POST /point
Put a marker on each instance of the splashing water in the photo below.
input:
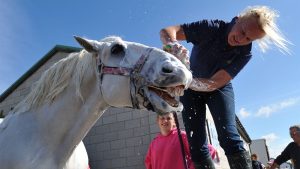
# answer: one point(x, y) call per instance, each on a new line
point(230, 97)
point(191, 133)
point(197, 85)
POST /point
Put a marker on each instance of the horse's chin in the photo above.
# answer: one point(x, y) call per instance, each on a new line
point(161, 104)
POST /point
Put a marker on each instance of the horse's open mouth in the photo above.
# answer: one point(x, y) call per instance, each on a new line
point(169, 94)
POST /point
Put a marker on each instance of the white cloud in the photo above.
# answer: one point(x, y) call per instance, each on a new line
point(275, 144)
point(270, 137)
point(289, 102)
point(243, 113)
point(275, 148)
point(266, 111)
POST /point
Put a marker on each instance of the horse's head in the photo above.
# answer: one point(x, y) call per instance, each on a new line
point(138, 76)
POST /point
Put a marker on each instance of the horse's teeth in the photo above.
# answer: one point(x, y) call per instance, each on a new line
point(172, 91)
point(181, 93)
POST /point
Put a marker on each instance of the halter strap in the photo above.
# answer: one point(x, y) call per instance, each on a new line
point(124, 71)
point(136, 81)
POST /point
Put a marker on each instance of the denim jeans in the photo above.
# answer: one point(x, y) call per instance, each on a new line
point(222, 108)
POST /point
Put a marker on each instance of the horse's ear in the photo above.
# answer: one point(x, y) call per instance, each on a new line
point(88, 45)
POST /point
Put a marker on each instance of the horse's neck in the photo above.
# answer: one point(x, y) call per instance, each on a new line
point(67, 120)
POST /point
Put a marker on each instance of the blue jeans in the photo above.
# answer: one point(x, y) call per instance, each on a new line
point(222, 108)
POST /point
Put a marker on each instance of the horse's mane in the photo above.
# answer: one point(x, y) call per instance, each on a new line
point(54, 80)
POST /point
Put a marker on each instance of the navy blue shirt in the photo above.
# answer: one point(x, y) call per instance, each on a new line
point(211, 51)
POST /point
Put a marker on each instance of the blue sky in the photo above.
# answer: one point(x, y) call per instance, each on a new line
point(267, 90)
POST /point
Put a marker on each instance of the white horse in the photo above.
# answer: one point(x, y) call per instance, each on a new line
point(43, 130)
point(78, 159)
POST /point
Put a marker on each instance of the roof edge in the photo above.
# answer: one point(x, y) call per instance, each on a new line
point(242, 130)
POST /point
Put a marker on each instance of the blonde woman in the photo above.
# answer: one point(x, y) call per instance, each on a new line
point(220, 51)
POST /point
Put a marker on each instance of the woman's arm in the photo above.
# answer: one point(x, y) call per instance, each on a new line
point(171, 34)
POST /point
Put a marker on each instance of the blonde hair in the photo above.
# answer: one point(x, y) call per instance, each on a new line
point(267, 20)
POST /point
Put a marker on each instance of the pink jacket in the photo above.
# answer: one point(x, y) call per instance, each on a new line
point(165, 152)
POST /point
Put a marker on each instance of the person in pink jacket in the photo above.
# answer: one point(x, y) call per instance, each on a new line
point(165, 151)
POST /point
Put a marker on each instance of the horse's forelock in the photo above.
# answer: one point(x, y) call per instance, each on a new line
point(111, 39)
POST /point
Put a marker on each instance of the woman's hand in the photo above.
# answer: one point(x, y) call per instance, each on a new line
point(179, 51)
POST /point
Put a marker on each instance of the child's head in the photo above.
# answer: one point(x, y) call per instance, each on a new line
point(254, 157)
point(165, 123)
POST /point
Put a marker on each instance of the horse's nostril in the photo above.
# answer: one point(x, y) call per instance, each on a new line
point(167, 69)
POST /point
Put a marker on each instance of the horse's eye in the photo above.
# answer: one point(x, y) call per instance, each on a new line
point(117, 49)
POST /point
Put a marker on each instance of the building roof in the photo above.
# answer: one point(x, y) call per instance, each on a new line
point(242, 130)
point(35, 67)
